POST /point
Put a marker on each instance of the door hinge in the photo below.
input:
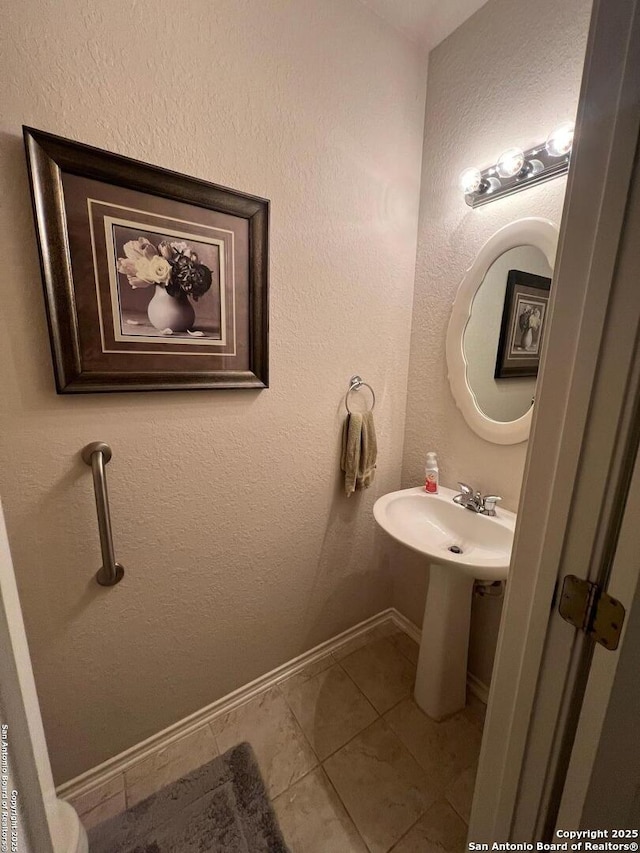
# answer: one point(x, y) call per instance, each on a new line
point(586, 606)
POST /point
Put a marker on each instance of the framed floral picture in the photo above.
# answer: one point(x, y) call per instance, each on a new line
point(152, 280)
point(523, 321)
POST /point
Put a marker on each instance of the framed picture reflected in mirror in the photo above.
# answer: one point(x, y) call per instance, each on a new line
point(524, 317)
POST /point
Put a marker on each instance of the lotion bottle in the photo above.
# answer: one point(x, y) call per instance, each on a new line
point(431, 474)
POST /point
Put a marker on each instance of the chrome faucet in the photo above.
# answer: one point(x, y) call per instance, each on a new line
point(473, 500)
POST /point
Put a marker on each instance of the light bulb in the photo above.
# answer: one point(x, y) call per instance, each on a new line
point(560, 140)
point(470, 181)
point(510, 163)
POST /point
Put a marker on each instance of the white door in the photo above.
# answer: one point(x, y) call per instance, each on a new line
point(602, 789)
point(36, 821)
point(581, 455)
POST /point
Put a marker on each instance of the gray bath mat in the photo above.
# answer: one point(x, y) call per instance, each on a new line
point(221, 807)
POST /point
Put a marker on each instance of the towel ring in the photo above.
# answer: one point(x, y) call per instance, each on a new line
point(355, 384)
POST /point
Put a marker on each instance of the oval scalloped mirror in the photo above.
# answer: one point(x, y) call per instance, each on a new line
point(495, 333)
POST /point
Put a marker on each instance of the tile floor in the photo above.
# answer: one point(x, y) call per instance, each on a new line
point(351, 763)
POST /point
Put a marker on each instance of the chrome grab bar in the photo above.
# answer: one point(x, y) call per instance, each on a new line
point(97, 454)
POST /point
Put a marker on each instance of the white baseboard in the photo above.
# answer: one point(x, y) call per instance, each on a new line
point(108, 770)
point(405, 625)
point(477, 687)
point(113, 767)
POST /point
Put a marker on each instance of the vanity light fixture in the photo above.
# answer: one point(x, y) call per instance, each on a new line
point(516, 169)
point(560, 140)
point(510, 163)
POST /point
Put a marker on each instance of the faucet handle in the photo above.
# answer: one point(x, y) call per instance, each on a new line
point(464, 489)
point(489, 504)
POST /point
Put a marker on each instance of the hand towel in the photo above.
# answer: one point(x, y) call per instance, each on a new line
point(359, 451)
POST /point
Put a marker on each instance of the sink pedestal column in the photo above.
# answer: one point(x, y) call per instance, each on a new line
point(441, 679)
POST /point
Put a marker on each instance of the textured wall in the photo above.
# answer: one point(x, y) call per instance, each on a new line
point(506, 77)
point(240, 549)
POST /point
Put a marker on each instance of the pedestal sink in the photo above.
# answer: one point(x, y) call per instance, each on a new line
point(460, 546)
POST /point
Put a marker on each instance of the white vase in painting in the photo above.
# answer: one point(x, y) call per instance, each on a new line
point(171, 313)
point(527, 339)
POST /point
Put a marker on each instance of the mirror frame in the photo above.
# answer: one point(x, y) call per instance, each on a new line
point(533, 231)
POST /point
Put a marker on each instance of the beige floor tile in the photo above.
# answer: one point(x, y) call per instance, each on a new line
point(103, 811)
point(442, 749)
point(313, 819)
point(382, 786)
point(329, 708)
point(309, 671)
point(384, 674)
point(386, 629)
point(440, 830)
point(357, 643)
point(101, 803)
point(168, 764)
point(87, 802)
point(403, 643)
point(267, 722)
point(460, 792)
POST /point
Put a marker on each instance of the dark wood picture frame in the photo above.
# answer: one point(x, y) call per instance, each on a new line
point(524, 317)
point(63, 176)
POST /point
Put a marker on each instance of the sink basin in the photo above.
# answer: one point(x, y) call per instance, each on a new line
point(433, 525)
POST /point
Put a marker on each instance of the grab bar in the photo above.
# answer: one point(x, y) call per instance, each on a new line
point(97, 454)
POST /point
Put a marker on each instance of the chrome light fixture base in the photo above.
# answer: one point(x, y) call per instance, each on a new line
point(517, 170)
point(539, 166)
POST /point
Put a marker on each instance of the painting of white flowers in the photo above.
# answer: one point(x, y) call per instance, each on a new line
point(168, 287)
point(523, 321)
point(525, 339)
point(152, 280)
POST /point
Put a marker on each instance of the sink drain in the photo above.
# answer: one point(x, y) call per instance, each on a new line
point(455, 549)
